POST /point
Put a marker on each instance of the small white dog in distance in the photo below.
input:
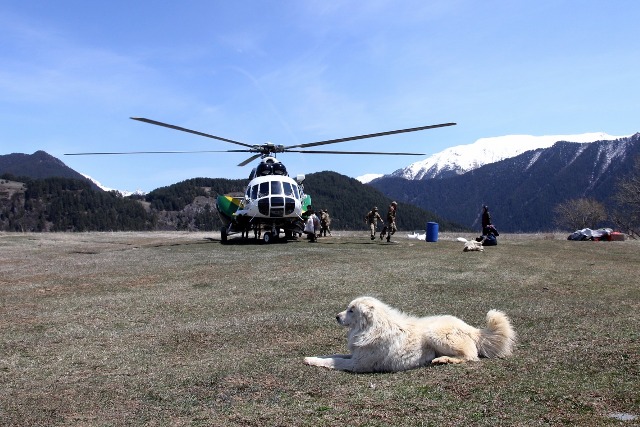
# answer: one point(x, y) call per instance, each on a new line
point(383, 339)
point(471, 245)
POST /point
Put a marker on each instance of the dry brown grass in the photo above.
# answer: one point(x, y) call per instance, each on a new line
point(177, 329)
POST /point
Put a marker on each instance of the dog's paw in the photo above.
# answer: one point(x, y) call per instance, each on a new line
point(444, 360)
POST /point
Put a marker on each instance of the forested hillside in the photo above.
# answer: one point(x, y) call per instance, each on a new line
point(348, 201)
point(62, 204)
point(177, 196)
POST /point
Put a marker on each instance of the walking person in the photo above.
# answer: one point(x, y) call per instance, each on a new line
point(372, 218)
point(390, 228)
point(325, 223)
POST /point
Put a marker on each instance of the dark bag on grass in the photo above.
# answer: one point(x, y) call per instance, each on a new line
point(490, 240)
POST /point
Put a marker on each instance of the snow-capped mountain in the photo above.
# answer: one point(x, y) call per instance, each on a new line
point(369, 177)
point(125, 193)
point(524, 190)
point(463, 158)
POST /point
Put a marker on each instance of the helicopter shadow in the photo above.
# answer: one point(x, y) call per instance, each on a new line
point(251, 241)
point(353, 241)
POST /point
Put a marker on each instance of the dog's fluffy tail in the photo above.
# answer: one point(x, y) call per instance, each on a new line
point(498, 337)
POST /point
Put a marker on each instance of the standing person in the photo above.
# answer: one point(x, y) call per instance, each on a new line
point(371, 218)
point(486, 220)
point(312, 226)
point(325, 223)
point(391, 222)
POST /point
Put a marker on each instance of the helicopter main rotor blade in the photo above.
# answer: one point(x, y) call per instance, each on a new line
point(155, 152)
point(249, 160)
point(372, 135)
point(157, 123)
point(354, 152)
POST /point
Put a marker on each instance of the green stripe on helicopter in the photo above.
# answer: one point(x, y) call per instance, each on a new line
point(228, 205)
point(306, 202)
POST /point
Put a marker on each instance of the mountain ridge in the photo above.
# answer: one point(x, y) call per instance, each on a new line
point(463, 158)
point(39, 165)
point(523, 190)
point(58, 200)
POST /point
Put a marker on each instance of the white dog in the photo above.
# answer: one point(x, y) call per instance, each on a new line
point(471, 245)
point(383, 339)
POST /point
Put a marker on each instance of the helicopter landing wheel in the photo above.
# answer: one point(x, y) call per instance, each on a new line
point(267, 237)
point(223, 235)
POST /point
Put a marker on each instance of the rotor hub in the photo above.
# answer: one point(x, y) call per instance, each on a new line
point(269, 148)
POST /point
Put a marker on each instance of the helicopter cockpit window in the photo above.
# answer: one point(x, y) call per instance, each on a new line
point(295, 190)
point(276, 187)
point(288, 191)
point(264, 189)
point(254, 192)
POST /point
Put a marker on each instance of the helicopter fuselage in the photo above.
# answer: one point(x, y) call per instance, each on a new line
point(272, 202)
point(272, 197)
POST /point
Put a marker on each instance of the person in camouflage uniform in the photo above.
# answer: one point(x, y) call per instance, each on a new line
point(372, 219)
point(325, 223)
point(390, 228)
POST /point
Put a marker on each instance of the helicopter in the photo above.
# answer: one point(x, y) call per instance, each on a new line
point(273, 202)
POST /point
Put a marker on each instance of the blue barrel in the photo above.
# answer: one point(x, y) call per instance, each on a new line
point(432, 232)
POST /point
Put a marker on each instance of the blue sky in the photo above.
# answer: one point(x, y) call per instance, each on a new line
point(291, 72)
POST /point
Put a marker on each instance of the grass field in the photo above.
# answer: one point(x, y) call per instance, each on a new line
point(177, 329)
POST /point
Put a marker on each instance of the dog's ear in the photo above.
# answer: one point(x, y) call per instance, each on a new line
point(366, 309)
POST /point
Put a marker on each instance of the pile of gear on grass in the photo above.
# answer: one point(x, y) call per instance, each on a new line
point(601, 234)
